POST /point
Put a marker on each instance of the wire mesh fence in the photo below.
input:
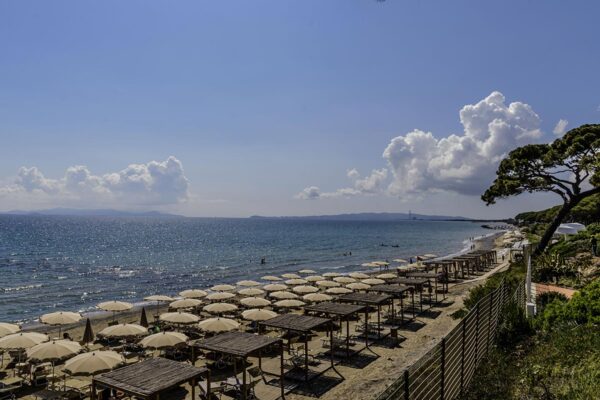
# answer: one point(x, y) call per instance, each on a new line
point(447, 369)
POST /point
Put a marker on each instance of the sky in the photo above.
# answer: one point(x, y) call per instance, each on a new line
point(237, 108)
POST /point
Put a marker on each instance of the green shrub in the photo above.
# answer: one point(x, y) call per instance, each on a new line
point(583, 308)
point(546, 298)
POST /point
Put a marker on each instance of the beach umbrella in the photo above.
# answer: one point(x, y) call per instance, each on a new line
point(373, 281)
point(216, 325)
point(123, 330)
point(296, 281)
point(358, 286)
point(400, 260)
point(317, 297)
point(179, 318)
point(331, 274)
point(344, 279)
point(185, 303)
point(303, 289)
point(388, 275)
point(271, 278)
point(307, 271)
point(158, 298)
point(255, 302)
point(275, 287)
point(54, 350)
point(193, 294)
point(358, 275)
point(327, 284)
point(289, 303)
point(144, 318)
point(222, 288)
point(251, 292)
point(60, 318)
point(22, 340)
point(94, 362)
point(290, 276)
point(88, 333)
point(220, 308)
point(8, 329)
point(338, 290)
point(257, 314)
point(220, 296)
point(248, 283)
point(281, 295)
point(115, 306)
point(314, 278)
point(163, 340)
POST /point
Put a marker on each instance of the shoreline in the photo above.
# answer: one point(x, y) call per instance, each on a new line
point(100, 318)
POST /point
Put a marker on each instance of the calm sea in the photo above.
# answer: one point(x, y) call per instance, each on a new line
point(50, 263)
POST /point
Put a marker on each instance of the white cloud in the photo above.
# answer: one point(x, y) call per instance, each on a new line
point(153, 183)
point(561, 127)
point(464, 163)
point(369, 185)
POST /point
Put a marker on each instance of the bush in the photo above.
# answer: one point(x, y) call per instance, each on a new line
point(514, 326)
point(546, 298)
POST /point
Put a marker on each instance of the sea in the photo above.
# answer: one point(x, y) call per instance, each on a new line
point(63, 263)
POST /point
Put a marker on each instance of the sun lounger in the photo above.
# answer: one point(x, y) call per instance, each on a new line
point(9, 386)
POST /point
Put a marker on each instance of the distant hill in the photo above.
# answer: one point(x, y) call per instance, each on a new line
point(89, 212)
point(373, 217)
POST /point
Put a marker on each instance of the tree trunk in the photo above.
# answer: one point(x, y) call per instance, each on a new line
point(558, 219)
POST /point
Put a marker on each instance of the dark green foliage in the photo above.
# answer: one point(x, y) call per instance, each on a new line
point(514, 326)
point(542, 300)
point(586, 212)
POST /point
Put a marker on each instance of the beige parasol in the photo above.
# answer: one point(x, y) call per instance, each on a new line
point(185, 303)
point(179, 318)
point(331, 274)
point(338, 290)
point(219, 296)
point(22, 340)
point(344, 279)
point(327, 284)
point(8, 329)
point(248, 283)
point(163, 340)
point(373, 281)
point(54, 350)
point(251, 292)
point(123, 330)
point(60, 318)
point(158, 298)
point(255, 302)
point(303, 289)
point(115, 306)
point(275, 287)
point(358, 286)
point(193, 294)
point(315, 278)
point(290, 276)
point(222, 288)
point(358, 275)
point(93, 362)
point(296, 281)
point(216, 325)
point(220, 308)
point(388, 275)
point(307, 271)
point(281, 295)
point(289, 303)
point(257, 314)
point(271, 278)
point(317, 297)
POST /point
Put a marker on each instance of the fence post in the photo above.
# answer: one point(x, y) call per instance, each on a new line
point(462, 357)
point(443, 369)
point(406, 390)
point(476, 333)
point(489, 343)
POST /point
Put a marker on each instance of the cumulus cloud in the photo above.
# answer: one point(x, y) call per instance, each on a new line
point(368, 185)
point(464, 163)
point(153, 183)
point(561, 127)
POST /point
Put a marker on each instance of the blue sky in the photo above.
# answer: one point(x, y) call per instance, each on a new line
point(258, 100)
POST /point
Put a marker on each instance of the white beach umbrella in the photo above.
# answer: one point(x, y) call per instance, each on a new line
point(331, 274)
point(193, 294)
point(8, 329)
point(163, 340)
point(257, 314)
point(358, 275)
point(255, 302)
point(307, 271)
point(338, 290)
point(220, 308)
point(386, 276)
point(216, 325)
point(303, 289)
point(373, 281)
point(94, 362)
point(344, 279)
point(22, 340)
point(247, 283)
point(179, 318)
point(251, 292)
point(60, 318)
point(296, 281)
point(271, 278)
point(185, 303)
point(290, 276)
point(317, 297)
point(358, 286)
point(328, 284)
point(281, 295)
point(123, 330)
point(289, 303)
point(222, 288)
point(54, 350)
point(275, 287)
point(315, 278)
point(115, 306)
point(220, 296)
